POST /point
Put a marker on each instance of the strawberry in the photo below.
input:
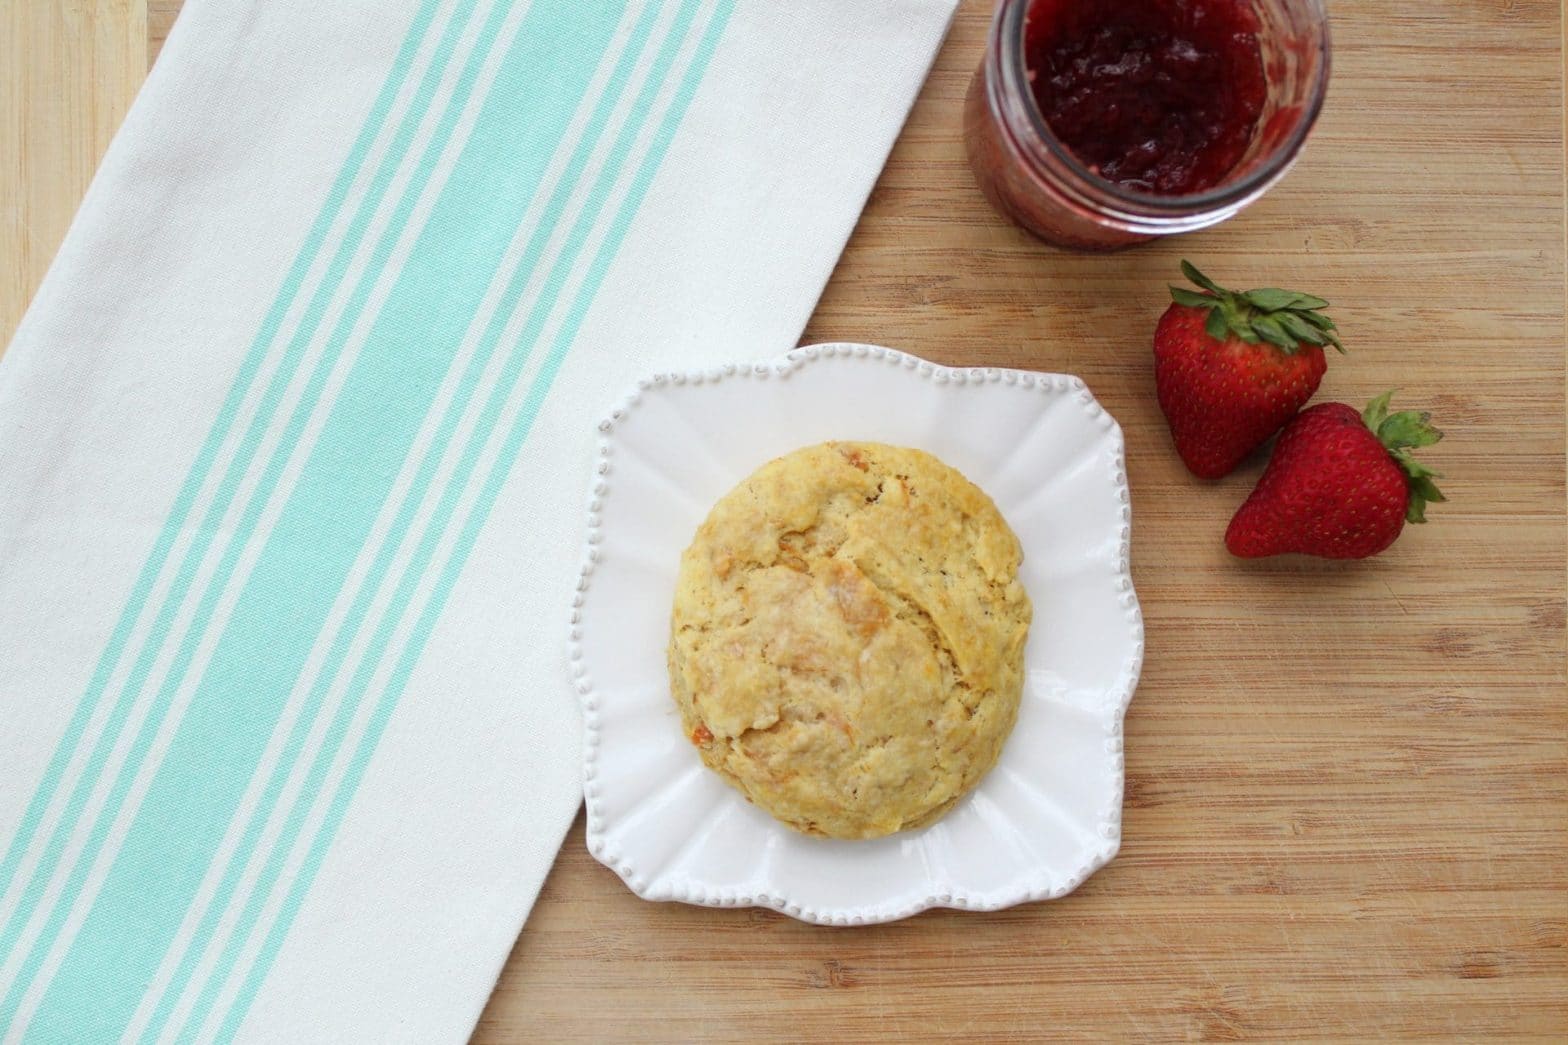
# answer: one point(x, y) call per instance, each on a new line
point(1231, 367)
point(1341, 485)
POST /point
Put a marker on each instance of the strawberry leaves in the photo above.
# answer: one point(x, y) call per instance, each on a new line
point(1270, 299)
point(1232, 369)
point(1402, 432)
point(1286, 319)
point(1191, 298)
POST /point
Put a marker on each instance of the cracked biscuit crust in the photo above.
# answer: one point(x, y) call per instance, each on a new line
point(847, 641)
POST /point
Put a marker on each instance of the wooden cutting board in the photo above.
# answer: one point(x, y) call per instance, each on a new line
point(1347, 784)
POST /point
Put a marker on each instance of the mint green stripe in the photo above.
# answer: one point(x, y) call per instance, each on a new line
point(211, 525)
point(179, 521)
point(485, 350)
point(206, 608)
point(376, 649)
point(510, 373)
point(326, 521)
point(494, 481)
point(202, 466)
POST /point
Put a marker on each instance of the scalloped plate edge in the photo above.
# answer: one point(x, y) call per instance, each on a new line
point(901, 907)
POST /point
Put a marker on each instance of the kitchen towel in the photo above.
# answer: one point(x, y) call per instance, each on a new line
point(295, 445)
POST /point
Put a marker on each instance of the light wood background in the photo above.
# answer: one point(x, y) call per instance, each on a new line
point(1347, 793)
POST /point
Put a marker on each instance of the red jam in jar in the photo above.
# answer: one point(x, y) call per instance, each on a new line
point(1097, 124)
point(1158, 96)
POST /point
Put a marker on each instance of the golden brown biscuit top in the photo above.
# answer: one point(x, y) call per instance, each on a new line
point(847, 638)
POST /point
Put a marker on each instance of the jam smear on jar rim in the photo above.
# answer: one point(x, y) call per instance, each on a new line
point(1157, 96)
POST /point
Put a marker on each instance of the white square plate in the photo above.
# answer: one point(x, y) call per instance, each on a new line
point(1038, 824)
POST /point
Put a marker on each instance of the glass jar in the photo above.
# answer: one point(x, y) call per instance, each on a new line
point(1033, 179)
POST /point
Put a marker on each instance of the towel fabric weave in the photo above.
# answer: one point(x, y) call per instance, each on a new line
point(294, 452)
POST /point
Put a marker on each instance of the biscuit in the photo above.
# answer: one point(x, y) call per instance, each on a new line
point(847, 638)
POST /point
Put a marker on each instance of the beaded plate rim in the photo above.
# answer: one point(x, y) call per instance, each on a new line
point(692, 891)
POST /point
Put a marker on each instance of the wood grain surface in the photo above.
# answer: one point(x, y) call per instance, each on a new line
point(1347, 784)
point(68, 72)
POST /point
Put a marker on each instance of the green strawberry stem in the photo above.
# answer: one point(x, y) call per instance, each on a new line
point(1402, 432)
point(1286, 319)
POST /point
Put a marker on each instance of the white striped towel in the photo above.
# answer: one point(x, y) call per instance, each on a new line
point(294, 445)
